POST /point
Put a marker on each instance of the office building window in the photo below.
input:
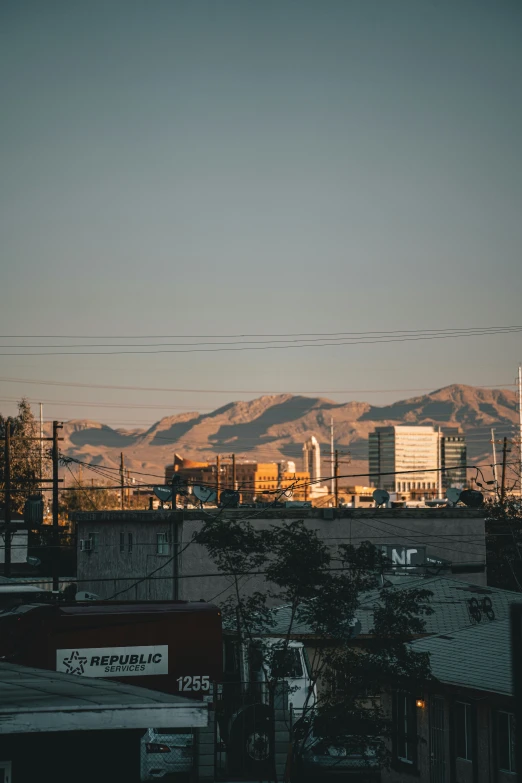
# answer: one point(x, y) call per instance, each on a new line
point(506, 742)
point(463, 731)
point(122, 542)
point(406, 728)
point(129, 541)
point(162, 546)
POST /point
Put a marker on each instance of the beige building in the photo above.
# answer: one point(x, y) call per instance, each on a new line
point(252, 479)
point(402, 459)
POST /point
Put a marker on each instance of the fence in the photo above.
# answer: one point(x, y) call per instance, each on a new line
point(244, 731)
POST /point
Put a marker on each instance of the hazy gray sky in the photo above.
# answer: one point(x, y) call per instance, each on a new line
point(236, 166)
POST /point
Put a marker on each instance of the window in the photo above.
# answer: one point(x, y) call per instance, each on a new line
point(162, 546)
point(122, 542)
point(129, 539)
point(406, 725)
point(287, 663)
point(506, 742)
point(463, 731)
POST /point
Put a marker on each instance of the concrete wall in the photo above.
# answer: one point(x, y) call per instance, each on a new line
point(452, 534)
point(18, 547)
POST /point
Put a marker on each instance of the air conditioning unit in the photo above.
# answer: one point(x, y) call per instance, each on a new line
point(85, 545)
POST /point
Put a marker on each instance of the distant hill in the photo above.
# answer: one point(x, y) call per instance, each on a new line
point(274, 427)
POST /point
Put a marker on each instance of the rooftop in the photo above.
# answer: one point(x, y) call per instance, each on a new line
point(477, 657)
point(36, 700)
point(456, 604)
point(270, 512)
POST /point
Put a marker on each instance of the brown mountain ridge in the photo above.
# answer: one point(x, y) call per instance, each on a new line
point(274, 427)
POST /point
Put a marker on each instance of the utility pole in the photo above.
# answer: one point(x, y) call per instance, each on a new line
point(336, 478)
point(7, 503)
point(520, 423)
point(332, 454)
point(439, 460)
point(503, 486)
point(217, 477)
point(122, 481)
point(56, 528)
point(495, 472)
point(41, 442)
point(234, 475)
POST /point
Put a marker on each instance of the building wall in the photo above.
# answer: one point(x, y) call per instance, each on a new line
point(451, 534)
point(18, 547)
point(454, 455)
point(405, 448)
point(483, 769)
point(312, 458)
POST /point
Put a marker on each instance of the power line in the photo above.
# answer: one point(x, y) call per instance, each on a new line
point(72, 384)
point(364, 341)
point(430, 333)
point(225, 336)
point(207, 575)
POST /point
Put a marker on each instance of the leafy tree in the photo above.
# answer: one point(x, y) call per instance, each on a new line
point(27, 464)
point(83, 497)
point(314, 590)
point(504, 543)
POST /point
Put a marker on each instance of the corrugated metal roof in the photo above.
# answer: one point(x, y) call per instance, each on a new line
point(477, 657)
point(37, 700)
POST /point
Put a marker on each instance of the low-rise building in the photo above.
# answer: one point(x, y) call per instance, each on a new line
point(251, 479)
point(151, 555)
point(462, 727)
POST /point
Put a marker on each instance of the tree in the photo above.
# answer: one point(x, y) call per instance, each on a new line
point(27, 463)
point(83, 497)
point(504, 543)
point(321, 590)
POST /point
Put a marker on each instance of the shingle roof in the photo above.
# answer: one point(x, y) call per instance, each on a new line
point(450, 602)
point(476, 657)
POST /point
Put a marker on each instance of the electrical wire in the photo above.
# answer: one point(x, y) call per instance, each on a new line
point(465, 331)
point(230, 336)
point(365, 341)
point(223, 391)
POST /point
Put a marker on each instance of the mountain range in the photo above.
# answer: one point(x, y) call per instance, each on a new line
point(274, 427)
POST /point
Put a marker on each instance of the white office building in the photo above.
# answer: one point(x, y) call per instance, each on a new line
point(404, 458)
point(312, 458)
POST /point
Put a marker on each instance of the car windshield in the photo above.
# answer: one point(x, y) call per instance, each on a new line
point(287, 663)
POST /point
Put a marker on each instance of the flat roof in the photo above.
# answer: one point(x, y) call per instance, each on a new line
point(35, 700)
point(270, 512)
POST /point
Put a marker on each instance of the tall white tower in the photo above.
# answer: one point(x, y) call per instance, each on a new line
point(312, 458)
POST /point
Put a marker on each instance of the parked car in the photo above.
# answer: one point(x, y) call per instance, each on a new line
point(320, 758)
point(166, 754)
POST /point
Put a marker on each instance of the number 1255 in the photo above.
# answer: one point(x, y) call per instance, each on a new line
point(195, 683)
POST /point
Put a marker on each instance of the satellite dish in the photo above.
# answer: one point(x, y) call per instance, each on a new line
point(204, 494)
point(453, 494)
point(229, 498)
point(472, 498)
point(87, 597)
point(381, 496)
point(163, 493)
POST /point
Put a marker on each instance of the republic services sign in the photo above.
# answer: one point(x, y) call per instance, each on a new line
point(114, 661)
